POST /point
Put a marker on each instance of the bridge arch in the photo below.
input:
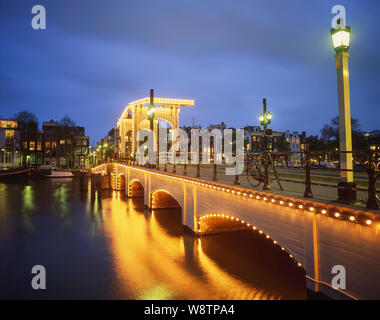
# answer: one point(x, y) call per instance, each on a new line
point(210, 223)
point(163, 199)
point(135, 189)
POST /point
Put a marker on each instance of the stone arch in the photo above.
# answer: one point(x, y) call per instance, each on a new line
point(135, 189)
point(162, 199)
point(210, 223)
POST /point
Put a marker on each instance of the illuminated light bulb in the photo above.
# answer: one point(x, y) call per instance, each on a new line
point(299, 264)
point(218, 215)
point(227, 216)
point(260, 232)
point(352, 218)
point(228, 190)
point(311, 209)
point(242, 221)
point(275, 242)
point(324, 211)
point(244, 194)
point(281, 202)
point(265, 199)
point(249, 225)
point(368, 222)
point(300, 206)
point(290, 256)
point(257, 197)
point(254, 228)
point(273, 200)
point(267, 237)
point(290, 204)
point(282, 248)
point(237, 219)
point(337, 214)
point(251, 196)
point(222, 189)
point(223, 215)
point(233, 191)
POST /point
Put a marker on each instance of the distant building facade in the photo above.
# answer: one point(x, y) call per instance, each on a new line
point(9, 143)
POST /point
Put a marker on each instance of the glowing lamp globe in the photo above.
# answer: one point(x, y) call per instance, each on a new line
point(341, 39)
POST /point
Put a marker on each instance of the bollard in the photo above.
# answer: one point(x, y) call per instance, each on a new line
point(185, 169)
point(237, 179)
point(372, 201)
point(308, 193)
point(214, 177)
point(198, 170)
point(83, 183)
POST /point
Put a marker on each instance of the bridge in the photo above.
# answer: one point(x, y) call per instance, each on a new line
point(317, 235)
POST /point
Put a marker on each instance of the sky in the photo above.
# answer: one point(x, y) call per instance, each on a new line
point(96, 56)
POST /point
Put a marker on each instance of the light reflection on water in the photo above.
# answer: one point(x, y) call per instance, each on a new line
point(105, 246)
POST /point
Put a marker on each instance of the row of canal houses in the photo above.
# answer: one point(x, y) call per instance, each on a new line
point(56, 146)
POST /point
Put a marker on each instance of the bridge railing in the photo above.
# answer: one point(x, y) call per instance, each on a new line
point(307, 173)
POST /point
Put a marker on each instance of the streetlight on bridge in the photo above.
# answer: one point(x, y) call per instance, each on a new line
point(265, 119)
point(341, 37)
point(151, 113)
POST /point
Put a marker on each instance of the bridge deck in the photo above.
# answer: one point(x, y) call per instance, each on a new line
point(291, 189)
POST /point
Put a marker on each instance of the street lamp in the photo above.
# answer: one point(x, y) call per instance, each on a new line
point(265, 119)
point(341, 37)
point(151, 113)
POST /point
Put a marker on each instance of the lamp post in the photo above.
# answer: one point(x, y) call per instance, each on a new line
point(265, 119)
point(151, 114)
point(341, 43)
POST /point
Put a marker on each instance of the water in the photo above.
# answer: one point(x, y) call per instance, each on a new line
point(108, 247)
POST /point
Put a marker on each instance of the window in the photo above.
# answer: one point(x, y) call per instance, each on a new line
point(9, 133)
point(47, 144)
point(62, 142)
point(39, 145)
point(31, 145)
point(54, 144)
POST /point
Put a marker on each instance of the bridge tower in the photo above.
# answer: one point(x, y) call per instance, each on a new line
point(135, 118)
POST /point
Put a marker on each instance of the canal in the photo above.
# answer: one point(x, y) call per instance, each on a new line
point(104, 246)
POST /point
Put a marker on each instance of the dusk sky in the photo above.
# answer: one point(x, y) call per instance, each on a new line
point(96, 56)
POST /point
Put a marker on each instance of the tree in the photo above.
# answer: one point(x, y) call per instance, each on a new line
point(282, 145)
point(315, 144)
point(111, 133)
point(66, 132)
point(66, 121)
point(27, 124)
point(25, 117)
point(330, 135)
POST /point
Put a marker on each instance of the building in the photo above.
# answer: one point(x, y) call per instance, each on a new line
point(9, 143)
point(254, 139)
point(31, 144)
point(65, 146)
point(297, 140)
